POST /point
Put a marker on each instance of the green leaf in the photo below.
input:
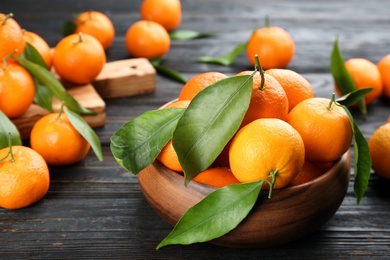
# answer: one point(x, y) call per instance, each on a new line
point(209, 122)
point(43, 97)
point(7, 130)
point(137, 143)
point(33, 55)
point(215, 215)
point(86, 131)
point(353, 97)
point(68, 28)
point(362, 159)
point(226, 59)
point(170, 73)
point(51, 82)
point(185, 35)
point(341, 76)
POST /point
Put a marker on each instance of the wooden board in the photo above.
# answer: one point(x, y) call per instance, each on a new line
point(86, 95)
point(126, 78)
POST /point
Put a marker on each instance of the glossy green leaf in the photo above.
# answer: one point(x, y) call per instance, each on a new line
point(341, 76)
point(8, 130)
point(353, 97)
point(170, 73)
point(362, 159)
point(215, 215)
point(86, 131)
point(51, 82)
point(33, 55)
point(43, 97)
point(137, 143)
point(209, 122)
point(185, 35)
point(226, 59)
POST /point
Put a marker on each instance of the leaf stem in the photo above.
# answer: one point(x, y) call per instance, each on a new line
point(61, 111)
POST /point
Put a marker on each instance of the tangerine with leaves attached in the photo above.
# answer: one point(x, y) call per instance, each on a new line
point(56, 139)
point(17, 89)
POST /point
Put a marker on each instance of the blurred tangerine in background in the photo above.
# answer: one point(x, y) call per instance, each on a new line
point(11, 36)
point(165, 12)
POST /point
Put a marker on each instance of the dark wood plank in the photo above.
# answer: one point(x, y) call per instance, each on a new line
point(97, 210)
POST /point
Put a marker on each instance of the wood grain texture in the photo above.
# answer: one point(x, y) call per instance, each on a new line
point(96, 210)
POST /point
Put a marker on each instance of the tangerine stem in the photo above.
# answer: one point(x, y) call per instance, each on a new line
point(332, 100)
point(61, 110)
point(261, 71)
point(7, 16)
point(10, 150)
point(272, 175)
point(266, 22)
point(81, 37)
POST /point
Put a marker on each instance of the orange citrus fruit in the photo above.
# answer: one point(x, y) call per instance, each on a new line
point(11, 36)
point(269, 102)
point(147, 39)
point(199, 82)
point(273, 45)
point(17, 90)
point(55, 138)
point(98, 25)
point(216, 177)
point(40, 45)
point(309, 172)
point(267, 146)
point(297, 87)
point(168, 155)
point(79, 58)
point(384, 70)
point(165, 12)
point(379, 145)
point(24, 177)
point(364, 74)
point(325, 128)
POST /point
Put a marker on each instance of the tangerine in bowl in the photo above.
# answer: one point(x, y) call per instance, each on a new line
point(290, 214)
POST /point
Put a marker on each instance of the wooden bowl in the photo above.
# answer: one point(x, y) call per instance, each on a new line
point(290, 214)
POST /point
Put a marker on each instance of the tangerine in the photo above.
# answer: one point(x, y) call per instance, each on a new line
point(384, 70)
point(364, 74)
point(379, 145)
point(147, 39)
point(273, 45)
point(269, 101)
point(24, 177)
point(216, 177)
point(199, 82)
point(79, 58)
point(17, 90)
point(165, 12)
point(264, 147)
point(55, 138)
point(11, 36)
point(297, 87)
point(40, 45)
point(309, 172)
point(97, 25)
point(324, 127)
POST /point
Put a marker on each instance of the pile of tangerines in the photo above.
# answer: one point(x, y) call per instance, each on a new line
point(24, 171)
point(273, 135)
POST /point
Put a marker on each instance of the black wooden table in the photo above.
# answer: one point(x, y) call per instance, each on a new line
point(97, 210)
